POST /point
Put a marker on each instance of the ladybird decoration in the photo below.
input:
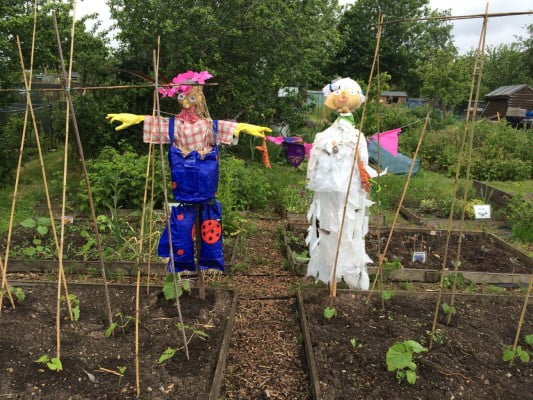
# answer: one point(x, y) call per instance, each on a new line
point(211, 231)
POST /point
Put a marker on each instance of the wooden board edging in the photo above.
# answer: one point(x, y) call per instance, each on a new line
point(224, 350)
point(308, 347)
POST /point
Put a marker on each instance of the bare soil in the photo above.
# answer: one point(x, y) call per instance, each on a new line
point(468, 365)
point(479, 252)
point(29, 331)
point(265, 359)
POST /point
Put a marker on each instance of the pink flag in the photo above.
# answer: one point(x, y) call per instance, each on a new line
point(388, 140)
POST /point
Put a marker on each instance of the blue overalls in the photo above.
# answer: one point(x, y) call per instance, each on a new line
point(194, 186)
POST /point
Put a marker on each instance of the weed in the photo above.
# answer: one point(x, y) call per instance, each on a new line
point(437, 336)
point(493, 289)
point(460, 281)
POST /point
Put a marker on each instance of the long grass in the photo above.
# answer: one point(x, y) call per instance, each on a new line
point(31, 199)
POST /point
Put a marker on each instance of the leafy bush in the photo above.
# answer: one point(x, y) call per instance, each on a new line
point(10, 134)
point(250, 188)
point(521, 218)
point(117, 181)
point(500, 152)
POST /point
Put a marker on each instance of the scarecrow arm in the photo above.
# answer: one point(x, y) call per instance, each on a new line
point(253, 130)
point(126, 120)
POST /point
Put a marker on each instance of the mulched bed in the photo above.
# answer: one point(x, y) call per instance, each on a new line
point(28, 332)
point(480, 252)
point(467, 366)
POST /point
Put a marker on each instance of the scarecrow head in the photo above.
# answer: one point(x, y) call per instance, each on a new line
point(190, 97)
point(343, 95)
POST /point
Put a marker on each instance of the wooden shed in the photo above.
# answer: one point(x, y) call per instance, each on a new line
point(509, 101)
point(393, 97)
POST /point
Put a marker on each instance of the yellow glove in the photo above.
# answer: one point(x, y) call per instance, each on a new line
point(127, 120)
point(254, 130)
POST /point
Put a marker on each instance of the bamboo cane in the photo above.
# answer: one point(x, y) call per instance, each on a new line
point(455, 188)
point(397, 213)
point(83, 164)
point(468, 166)
point(5, 284)
point(167, 208)
point(522, 316)
point(356, 158)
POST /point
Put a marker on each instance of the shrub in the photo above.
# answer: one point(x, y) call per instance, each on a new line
point(521, 218)
point(10, 134)
point(117, 181)
point(500, 152)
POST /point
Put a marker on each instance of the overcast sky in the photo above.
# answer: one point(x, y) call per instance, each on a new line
point(466, 32)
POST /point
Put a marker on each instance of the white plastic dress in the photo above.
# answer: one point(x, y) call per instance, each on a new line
point(328, 174)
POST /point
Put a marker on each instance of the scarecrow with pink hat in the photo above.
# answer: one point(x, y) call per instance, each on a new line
point(194, 163)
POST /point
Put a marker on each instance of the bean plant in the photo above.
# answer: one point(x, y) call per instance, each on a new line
point(399, 358)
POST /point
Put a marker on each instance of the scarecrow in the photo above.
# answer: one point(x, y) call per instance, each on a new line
point(193, 157)
point(328, 176)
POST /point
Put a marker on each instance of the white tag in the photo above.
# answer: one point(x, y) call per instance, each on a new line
point(419, 256)
point(482, 211)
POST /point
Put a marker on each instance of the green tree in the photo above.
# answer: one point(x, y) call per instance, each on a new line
point(505, 64)
point(91, 55)
point(252, 47)
point(446, 78)
point(91, 60)
point(402, 44)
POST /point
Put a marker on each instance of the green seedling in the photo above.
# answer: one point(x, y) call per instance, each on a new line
point(460, 281)
point(124, 320)
point(448, 309)
point(399, 358)
point(168, 287)
point(40, 225)
point(121, 370)
point(437, 336)
point(17, 292)
point(510, 354)
point(529, 340)
point(329, 312)
point(74, 303)
point(388, 294)
point(354, 344)
point(389, 266)
point(171, 351)
point(53, 364)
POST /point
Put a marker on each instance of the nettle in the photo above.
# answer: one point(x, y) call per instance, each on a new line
point(399, 358)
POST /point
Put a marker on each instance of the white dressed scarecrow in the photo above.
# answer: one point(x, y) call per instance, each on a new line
point(328, 176)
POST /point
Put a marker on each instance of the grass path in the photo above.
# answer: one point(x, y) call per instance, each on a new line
point(31, 192)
